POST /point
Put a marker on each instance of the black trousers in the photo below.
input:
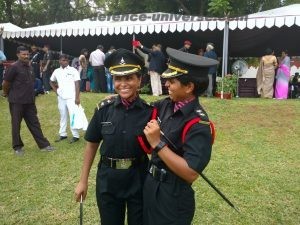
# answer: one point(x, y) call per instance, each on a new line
point(46, 80)
point(99, 78)
point(118, 190)
point(112, 209)
point(168, 202)
point(28, 112)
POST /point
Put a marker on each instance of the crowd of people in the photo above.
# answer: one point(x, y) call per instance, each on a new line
point(273, 75)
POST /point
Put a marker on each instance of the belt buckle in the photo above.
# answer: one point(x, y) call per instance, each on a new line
point(123, 164)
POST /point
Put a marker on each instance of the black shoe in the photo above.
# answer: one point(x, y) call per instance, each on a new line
point(61, 138)
point(19, 151)
point(48, 148)
point(74, 139)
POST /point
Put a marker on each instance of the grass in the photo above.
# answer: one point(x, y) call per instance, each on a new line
point(255, 162)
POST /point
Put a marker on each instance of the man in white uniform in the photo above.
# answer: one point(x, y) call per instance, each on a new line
point(65, 81)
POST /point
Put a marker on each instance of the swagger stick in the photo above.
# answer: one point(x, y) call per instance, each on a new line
point(201, 174)
point(81, 211)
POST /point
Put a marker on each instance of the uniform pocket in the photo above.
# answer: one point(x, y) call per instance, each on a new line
point(108, 129)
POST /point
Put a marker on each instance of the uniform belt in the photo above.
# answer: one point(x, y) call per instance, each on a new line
point(121, 163)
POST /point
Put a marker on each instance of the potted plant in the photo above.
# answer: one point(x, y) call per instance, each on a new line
point(229, 84)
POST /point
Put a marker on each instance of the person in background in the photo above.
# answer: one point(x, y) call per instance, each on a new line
point(2, 60)
point(200, 52)
point(265, 74)
point(47, 68)
point(109, 80)
point(116, 124)
point(65, 81)
point(18, 86)
point(283, 76)
point(186, 46)
point(212, 72)
point(157, 65)
point(175, 163)
point(96, 59)
point(35, 59)
point(83, 67)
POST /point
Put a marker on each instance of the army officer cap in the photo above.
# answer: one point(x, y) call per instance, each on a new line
point(188, 67)
point(123, 62)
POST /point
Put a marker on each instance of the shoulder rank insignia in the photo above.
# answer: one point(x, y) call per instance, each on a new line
point(105, 102)
point(201, 113)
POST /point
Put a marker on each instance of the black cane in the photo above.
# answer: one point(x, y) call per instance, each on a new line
point(81, 211)
point(203, 176)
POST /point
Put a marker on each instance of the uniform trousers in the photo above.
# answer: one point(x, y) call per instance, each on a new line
point(46, 80)
point(99, 79)
point(29, 113)
point(211, 84)
point(66, 107)
point(155, 83)
point(169, 202)
point(119, 190)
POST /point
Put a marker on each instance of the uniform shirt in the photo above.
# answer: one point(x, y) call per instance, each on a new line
point(48, 56)
point(212, 55)
point(157, 60)
point(97, 58)
point(2, 56)
point(196, 149)
point(22, 79)
point(65, 78)
point(119, 127)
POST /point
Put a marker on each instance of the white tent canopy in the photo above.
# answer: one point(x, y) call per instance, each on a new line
point(10, 27)
point(283, 16)
point(152, 24)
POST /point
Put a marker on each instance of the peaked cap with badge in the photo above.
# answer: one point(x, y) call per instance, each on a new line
point(186, 64)
point(123, 62)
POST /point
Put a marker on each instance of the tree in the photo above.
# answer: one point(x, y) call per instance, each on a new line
point(27, 13)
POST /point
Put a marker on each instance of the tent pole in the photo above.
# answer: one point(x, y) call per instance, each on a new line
point(225, 53)
point(133, 39)
point(1, 39)
point(61, 45)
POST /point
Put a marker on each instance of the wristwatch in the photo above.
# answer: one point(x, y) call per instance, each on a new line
point(159, 146)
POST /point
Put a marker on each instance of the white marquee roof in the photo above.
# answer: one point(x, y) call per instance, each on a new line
point(284, 16)
point(95, 27)
point(10, 27)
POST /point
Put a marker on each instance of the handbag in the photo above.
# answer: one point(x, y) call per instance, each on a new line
point(78, 118)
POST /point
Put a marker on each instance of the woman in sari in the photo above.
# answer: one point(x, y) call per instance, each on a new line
point(282, 77)
point(266, 74)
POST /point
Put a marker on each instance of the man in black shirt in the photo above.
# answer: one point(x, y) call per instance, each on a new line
point(18, 86)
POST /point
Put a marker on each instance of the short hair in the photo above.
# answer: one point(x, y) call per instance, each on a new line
point(63, 56)
point(268, 51)
point(47, 46)
point(285, 51)
point(21, 48)
point(100, 47)
point(83, 51)
point(200, 83)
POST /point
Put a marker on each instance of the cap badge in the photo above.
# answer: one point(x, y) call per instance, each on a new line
point(122, 62)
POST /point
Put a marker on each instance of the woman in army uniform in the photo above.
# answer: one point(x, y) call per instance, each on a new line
point(180, 152)
point(117, 122)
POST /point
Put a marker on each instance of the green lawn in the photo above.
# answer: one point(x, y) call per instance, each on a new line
point(255, 162)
